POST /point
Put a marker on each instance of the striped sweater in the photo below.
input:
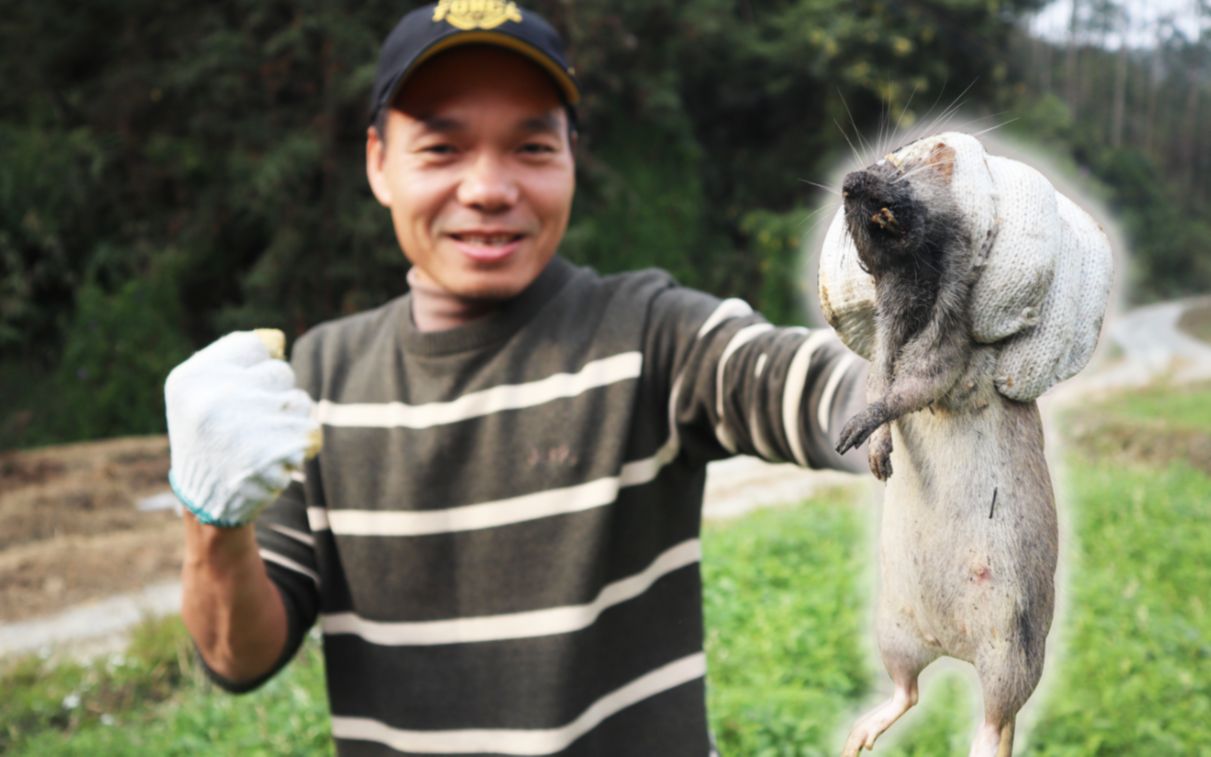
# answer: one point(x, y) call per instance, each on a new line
point(499, 540)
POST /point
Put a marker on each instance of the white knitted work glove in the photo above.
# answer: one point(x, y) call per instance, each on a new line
point(1046, 269)
point(237, 427)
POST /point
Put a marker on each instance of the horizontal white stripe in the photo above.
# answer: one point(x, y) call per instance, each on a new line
point(597, 373)
point(544, 504)
point(317, 518)
point(519, 625)
point(825, 410)
point(295, 534)
point(524, 741)
point(286, 562)
point(792, 391)
point(729, 308)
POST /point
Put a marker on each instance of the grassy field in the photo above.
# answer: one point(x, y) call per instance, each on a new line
point(789, 633)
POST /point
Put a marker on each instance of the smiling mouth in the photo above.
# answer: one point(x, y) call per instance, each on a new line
point(488, 240)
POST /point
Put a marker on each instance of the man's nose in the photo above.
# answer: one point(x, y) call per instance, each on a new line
point(489, 186)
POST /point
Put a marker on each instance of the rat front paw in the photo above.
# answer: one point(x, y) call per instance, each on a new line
point(879, 453)
point(860, 427)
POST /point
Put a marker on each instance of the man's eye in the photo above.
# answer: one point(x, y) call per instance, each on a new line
point(537, 148)
point(441, 148)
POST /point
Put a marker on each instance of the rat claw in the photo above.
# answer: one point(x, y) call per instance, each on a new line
point(859, 428)
point(880, 465)
point(851, 436)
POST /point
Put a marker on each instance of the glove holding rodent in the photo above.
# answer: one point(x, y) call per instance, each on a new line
point(1045, 275)
point(237, 427)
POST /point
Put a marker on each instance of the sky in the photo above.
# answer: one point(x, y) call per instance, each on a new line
point(1052, 21)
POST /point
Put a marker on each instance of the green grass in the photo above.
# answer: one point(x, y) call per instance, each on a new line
point(42, 695)
point(1135, 677)
point(1163, 407)
point(789, 637)
point(785, 612)
point(155, 700)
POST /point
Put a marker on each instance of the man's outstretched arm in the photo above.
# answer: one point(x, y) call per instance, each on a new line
point(743, 386)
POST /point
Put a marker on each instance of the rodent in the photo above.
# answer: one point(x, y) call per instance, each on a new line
point(968, 541)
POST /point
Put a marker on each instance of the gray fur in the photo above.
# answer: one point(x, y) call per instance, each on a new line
point(961, 576)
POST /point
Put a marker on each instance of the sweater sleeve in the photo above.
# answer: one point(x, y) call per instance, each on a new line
point(742, 386)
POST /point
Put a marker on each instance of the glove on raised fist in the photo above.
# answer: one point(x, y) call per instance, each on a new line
point(237, 427)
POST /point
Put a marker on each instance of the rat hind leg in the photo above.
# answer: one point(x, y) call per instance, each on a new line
point(904, 655)
point(1008, 676)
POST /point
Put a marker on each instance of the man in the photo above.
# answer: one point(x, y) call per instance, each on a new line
point(499, 539)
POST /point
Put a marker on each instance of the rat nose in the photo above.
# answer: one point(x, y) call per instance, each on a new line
point(857, 186)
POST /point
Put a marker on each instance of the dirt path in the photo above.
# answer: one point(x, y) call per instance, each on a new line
point(1154, 346)
point(71, 531)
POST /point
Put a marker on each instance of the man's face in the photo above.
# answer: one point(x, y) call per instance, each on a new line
point(477, 171)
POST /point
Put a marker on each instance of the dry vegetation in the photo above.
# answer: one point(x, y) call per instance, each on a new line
point(71, 529)
point(1196, 321)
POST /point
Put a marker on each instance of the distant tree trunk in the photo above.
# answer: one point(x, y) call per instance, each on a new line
point(1072, 59)
point(1192, 129)
point(1190, 152)
point(1120, 95)
point(1154, 85)
point(1044, 64)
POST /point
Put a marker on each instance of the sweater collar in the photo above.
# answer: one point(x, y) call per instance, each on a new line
point(494, 326)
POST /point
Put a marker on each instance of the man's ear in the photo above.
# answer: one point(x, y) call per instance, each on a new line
point(376, 156)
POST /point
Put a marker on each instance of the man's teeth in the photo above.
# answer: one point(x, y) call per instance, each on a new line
point(494, 240)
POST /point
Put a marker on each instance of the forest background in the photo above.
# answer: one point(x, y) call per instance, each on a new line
point(172, 171)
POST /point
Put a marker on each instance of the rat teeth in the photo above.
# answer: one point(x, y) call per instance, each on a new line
point(884, 219)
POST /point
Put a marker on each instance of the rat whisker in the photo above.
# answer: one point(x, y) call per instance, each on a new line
point(857, 132)
point(911, 173)
point(854, 150)
point(809, 222)
point(824, 187)
point(995, 127)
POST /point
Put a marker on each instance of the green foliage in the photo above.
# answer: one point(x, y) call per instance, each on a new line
point(119, 344)
point(777, 241)
point(50, 200)
point(783, 603)
point(1133, 120)
point(1135, 676)
point(63, 697)
point(155, 700)
point(1166, 408)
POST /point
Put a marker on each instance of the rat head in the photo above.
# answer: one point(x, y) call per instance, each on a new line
point(900, 210)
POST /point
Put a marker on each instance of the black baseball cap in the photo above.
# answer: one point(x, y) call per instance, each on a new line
point(438, 27)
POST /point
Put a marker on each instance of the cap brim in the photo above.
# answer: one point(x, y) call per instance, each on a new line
point(567, 86)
